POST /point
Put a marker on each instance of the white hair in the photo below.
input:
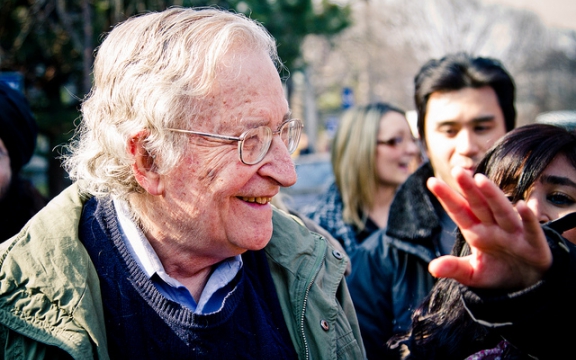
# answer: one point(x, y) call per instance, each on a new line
point(148, 73)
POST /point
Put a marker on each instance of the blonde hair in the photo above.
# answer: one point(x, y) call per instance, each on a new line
point(354, 159)
point(148, 73)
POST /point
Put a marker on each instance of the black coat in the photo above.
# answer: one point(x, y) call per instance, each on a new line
point(538, 320)
point(390, 275)
point(21, 202)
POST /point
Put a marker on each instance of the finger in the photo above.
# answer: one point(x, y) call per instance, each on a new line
point(454, 204)
point(529, 219)
point(502, 210)
point(535, 237)
point(475, 198)
point(452, 267)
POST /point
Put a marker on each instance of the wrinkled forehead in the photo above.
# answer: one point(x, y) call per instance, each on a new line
point(247, 92)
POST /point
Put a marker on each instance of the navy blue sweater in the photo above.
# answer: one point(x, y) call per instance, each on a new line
point(143, 324)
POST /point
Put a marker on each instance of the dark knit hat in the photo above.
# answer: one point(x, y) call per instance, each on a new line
point(18, 128)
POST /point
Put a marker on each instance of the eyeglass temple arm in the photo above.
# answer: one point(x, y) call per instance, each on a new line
point(224, 137)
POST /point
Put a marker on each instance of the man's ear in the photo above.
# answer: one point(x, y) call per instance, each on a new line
point(143, 167)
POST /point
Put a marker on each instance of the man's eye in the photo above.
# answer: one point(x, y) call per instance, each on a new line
point(448, 131)
point(560, 199)
point(481, 128)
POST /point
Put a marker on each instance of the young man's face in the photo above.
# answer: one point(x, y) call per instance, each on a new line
point(460, 126)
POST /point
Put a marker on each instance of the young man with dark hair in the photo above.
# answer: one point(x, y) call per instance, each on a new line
point(465, 104)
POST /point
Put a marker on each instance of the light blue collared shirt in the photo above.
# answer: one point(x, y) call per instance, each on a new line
point(214, 293)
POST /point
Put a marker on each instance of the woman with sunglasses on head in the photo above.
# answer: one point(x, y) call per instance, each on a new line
point(373, 152)
point(535, 167)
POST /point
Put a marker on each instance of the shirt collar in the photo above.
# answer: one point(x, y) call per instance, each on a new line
point(148, 260)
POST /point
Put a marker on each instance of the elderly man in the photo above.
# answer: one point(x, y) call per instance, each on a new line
point(166, 246)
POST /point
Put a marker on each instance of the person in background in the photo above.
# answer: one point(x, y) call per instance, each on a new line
point(19, 199)
point(464, 105)
point(371, 155)
point(166, 245)
point(533, 163)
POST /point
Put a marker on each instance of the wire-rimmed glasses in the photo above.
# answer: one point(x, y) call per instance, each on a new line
point(254, 143)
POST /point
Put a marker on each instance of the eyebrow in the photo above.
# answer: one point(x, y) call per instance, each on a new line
point(558, 180)
point(263, 121)
point(287, 116)
point(476, 120)
point(484, 118)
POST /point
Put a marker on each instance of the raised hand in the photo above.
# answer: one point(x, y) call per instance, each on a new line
point(508, 246)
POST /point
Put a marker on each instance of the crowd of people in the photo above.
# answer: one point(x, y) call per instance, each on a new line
point(465, 104)
point(535, 164)
point(173, 240)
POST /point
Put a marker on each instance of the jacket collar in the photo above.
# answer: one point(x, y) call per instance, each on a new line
point(414, 212)
point(46, 259)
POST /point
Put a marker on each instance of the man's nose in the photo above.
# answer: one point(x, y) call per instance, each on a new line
point(278, 164)
point(466, 143)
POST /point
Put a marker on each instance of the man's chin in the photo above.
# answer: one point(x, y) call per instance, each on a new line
point(258, 239)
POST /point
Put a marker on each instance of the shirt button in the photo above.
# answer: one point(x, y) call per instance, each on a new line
point(324, 324)
point(337, 254)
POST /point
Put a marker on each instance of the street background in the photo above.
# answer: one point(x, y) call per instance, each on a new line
point(338, 53)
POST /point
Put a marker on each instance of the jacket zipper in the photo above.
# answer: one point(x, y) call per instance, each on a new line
point(306, 302)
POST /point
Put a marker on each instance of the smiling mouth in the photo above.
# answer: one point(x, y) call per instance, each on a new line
point(259, 200)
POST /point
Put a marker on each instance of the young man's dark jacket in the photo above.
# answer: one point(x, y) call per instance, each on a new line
point(390, 274)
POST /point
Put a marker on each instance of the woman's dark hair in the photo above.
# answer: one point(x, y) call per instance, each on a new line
point(441, 326)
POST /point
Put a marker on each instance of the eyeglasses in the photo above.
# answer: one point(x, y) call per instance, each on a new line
point(254, 144)
point(397, 141)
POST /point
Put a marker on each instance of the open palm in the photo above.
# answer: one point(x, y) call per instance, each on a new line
point(508, 246)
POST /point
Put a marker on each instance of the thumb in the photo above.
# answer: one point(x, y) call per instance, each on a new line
point(450, 266)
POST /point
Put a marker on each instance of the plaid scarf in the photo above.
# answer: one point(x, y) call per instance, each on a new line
point(327, 212)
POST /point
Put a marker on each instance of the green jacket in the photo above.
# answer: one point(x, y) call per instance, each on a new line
point(51, 307)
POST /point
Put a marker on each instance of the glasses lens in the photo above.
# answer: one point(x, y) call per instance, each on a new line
point(255, 145)
point(290, 134)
